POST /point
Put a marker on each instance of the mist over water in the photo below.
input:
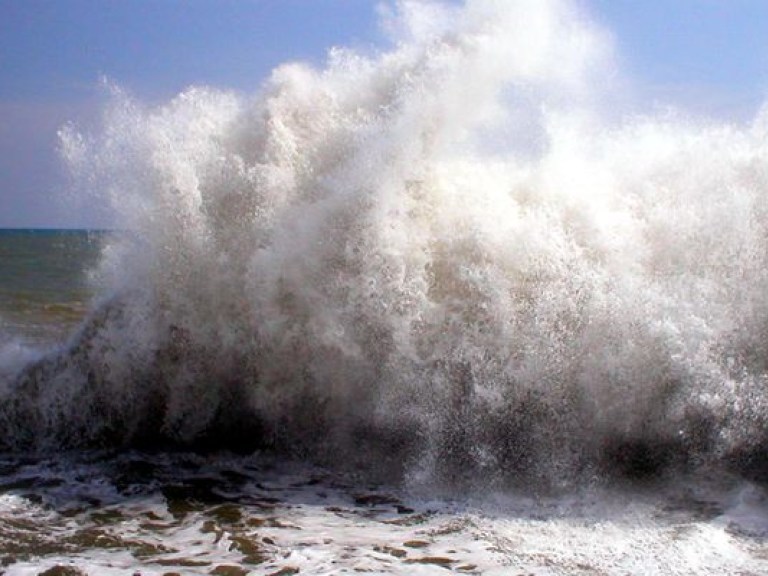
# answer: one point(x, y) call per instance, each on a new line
point(448, 259)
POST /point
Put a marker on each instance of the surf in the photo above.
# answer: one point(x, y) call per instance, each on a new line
point(446, 260)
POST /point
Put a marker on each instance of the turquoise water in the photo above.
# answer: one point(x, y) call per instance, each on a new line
point(44, 280)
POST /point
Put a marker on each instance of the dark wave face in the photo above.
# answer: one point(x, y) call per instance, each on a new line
point(443, 261)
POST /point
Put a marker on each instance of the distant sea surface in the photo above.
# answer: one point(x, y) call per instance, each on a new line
point(44, 281)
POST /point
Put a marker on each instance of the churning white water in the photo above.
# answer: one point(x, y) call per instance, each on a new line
point(453, 266)
point(447, 259)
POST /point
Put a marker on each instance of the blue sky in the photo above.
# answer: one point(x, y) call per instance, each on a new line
point(707, 55)
point(710, 56)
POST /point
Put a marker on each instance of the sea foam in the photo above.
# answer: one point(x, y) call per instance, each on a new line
point(453, 258)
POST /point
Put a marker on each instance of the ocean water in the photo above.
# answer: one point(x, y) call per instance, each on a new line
point(44, 285)
point(444, 305)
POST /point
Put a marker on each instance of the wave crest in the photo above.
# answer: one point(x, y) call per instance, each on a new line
point(445, 254)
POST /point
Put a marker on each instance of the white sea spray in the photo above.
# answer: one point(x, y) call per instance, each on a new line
point(449, 252)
